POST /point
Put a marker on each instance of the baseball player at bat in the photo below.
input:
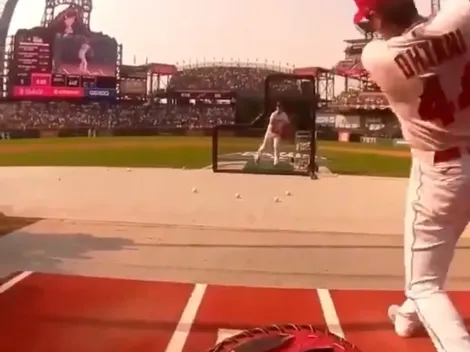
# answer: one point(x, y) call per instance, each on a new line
point(277, 121)
point(423, 67)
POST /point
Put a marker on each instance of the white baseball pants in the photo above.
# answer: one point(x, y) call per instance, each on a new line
point(270, 140)
point(437, 212)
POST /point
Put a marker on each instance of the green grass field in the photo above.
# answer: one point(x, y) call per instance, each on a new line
point(188, 152)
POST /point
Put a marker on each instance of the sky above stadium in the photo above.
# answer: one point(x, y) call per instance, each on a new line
point(294, 32)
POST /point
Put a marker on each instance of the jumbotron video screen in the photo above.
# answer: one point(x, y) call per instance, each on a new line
point(64, 60)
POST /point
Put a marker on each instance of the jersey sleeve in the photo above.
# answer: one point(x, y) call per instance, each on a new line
point(378, 61)
point(272, 118)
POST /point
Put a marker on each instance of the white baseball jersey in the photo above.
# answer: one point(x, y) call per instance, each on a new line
point(425, 74)
point(276, 120)
point(83, 51)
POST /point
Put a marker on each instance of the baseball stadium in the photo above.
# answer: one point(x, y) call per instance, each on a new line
point(137, 213)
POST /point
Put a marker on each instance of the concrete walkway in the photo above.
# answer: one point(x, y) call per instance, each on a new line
point(164, 196)
point(340, 232)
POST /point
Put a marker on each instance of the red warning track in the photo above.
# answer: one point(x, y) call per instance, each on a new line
point(63, 313)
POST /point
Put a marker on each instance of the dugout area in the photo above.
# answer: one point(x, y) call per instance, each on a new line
point(234, 146)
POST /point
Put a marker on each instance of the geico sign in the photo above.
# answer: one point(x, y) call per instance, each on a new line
point(99, 93)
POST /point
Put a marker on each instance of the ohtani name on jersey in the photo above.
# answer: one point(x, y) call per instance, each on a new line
point(430, 53)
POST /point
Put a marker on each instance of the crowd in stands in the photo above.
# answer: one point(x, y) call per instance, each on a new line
point(247, 78)
point(24, 115)
point(360, 99)
point(234, 77)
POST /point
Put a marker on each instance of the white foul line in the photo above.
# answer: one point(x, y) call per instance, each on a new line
point(329, 312)
point(179, 337)
point(14, 280)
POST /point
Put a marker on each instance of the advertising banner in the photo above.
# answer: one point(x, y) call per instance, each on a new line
point(400, 142)
point(62, 92)
point(101, 93)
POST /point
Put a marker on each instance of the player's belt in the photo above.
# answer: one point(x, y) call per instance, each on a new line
point(442, 156)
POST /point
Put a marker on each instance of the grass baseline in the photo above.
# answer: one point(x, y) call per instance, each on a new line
point(189, 152)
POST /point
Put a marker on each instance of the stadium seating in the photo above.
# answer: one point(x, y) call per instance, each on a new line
point(242, 78)
point(27, 115)
point(358, 99)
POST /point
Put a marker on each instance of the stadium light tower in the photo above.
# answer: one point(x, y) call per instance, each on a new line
point(7, 8)
point(49, 10)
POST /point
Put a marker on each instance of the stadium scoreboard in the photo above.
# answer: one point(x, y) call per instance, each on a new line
point(33, 54)
point(32, 73)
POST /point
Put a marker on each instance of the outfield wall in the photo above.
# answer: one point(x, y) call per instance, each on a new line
point(117, 132)
point(136, 131)
point(324, 135)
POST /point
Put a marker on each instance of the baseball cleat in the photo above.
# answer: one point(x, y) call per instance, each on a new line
point(404, 326)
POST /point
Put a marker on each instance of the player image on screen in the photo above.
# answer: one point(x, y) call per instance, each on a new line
point(82, 55)
point(92, 54)
point(78, 51)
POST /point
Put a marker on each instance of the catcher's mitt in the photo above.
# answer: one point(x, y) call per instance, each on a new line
point(288, 338)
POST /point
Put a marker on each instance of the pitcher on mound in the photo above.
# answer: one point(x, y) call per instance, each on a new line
point(85, 50)
point(272, 138)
